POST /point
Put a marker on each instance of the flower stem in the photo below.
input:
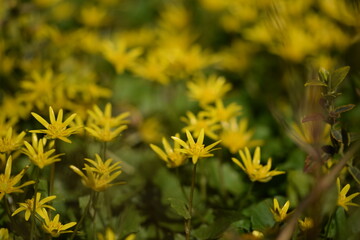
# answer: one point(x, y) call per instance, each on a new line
point(188, 221)
point(86, 210)
point(33, 214)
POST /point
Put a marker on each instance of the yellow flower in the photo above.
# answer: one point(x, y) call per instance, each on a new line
point(253, 168)
point(197, 149)
point(40, 205)
point(56, 128)
point(39, 90)
point(120, 56)
point(92, 16)
point(36, 152)
point(11, 143)
point(196, 123)
point(7, 183)
point(4, 234)
point(236, 136)
point(221, 113)
point(306, 224)
point(280, 214)
point(105, 127)
point(100, 175)
point(343, 200)
point(109, 235)
point(172, 156)
point(55, 227)
point(208, 90)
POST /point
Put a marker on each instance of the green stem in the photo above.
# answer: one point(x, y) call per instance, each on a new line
point(33, 214)
point(247, 196)
point(51, 180)
point(188, 221)
point(86, 210)
point(328, 224)
point(104, 151)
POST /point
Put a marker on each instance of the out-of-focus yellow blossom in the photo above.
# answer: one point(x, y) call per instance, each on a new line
point(236, 57)
point(143, 36)
point(7, 183)
point(92, 16)
point(63, 10)
point(109, 235)
point(87, 40)
point(45, 3)
point(4, 234)
point(103, 126)
point(311, 132)
point(201, 122)
point(39, 89)
point(235, 135)
point(118, 54)
point(341, 11)
point(222, 113)
point(343, 200)
point(56, 128)
point(214, 5)
point(253, 168)
point(11, 142)
point(6, 124)
point(172, 156)
point(15, 107)
point(54, 227)
point(40, 206)
point(278, 213)
point(154, 68)
point(174, 16)
point(306, 224)
point(100, 175)
point(151, 130)
point(195, 150)
point(131, 237)
point(36, 152)
point(208, 90)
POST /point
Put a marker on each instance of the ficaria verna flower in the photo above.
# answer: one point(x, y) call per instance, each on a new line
point(197, 149)
point(253, 168)
point(105, 127)
point(236, 135)
point(40, 205)
point(36, 152)
point(56, 128)
point(7, 183)
point(343, 200)
point(196, 123)
point(278, 213)
point(221, 113)
point(208, 90)
point(306, 224)
point(10, 142)
point(4, 234)
point(100, 175)
point(55, 227)
point(172, 156)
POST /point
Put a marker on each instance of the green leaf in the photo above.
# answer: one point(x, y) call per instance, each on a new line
point(336, 134)
point(260, 214)
point(355, 173)
point(344, 108)
point(180, 207)
point(130, 221)
point(338, 76)
point(341, 224)
point(222, 222)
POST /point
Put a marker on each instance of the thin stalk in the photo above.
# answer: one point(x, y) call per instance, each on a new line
point(188, 221)
point(247, 196)
point(329, 224)
point(51, 179)
point(86, 210)
point(33, 214)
